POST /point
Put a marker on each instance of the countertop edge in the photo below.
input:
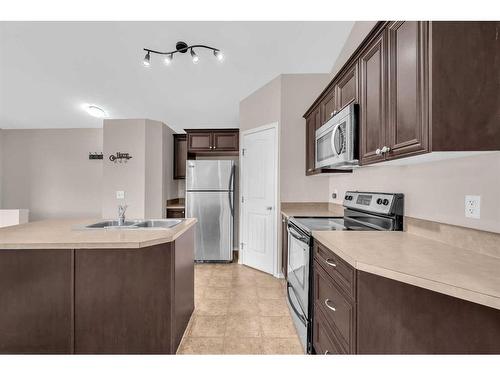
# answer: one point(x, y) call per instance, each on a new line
point(422, 282)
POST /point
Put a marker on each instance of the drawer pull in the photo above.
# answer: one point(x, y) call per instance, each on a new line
point(327, 352)
point(327, 304)
point(330, 262)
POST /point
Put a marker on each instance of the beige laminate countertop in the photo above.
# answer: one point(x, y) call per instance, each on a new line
point(62, 234)
point(419, 261)
point(175, 206)
point(313, 210)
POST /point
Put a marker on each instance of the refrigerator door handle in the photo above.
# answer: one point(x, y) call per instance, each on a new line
point(230, 189)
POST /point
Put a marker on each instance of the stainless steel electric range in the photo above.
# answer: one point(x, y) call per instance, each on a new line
point(362, 211)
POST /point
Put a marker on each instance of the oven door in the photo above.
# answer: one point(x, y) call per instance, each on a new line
point(324, 153)
point(298, 269)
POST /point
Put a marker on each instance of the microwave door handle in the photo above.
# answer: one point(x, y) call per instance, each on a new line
point(332, 140)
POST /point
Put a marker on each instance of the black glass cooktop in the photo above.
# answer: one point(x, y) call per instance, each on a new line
point(310, 224)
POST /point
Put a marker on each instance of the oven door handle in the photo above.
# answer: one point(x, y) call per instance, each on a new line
point(299, 314)
point(296, 235)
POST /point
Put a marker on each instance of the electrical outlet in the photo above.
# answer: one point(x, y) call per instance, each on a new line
point(120, 194)
point(473, 206)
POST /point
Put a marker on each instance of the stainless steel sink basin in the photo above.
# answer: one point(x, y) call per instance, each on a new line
point(159, 223)
point(111, 224)
point(135, 224)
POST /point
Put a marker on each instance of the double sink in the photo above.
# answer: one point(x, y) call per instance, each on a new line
point(135, 224)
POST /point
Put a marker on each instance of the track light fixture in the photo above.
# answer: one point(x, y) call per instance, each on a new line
point(181, 47)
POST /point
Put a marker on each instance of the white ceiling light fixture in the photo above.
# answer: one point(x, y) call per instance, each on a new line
point(181, 47)
point(95, 111)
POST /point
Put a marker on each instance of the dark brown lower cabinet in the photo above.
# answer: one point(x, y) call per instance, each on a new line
point(175, 213)
point(97, 301)
point(385, 316)
point(36, 301)
point(398, 318)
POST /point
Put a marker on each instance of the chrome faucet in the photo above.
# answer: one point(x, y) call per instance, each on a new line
point(121, 213)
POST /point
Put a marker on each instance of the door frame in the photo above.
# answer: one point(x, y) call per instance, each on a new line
point(241, 257)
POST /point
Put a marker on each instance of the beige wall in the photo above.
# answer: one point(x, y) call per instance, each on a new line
point(358, 32)
point(298, 92)
point(433, 190)
point(436, 190)
point(284, 100)
point(143, 178)
point(48, 172)
point(261, 107)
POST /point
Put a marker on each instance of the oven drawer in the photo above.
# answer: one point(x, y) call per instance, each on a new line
point(341, 271)
point(323, 340)
point(338, 309)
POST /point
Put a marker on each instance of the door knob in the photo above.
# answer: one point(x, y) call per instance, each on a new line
point(378, 151)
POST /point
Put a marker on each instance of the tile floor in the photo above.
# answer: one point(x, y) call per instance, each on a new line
point(239, 310)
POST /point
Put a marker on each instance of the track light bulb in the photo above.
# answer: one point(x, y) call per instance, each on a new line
point(168, 59)
point(194, 56)
point(219, 55)
point(147, 60)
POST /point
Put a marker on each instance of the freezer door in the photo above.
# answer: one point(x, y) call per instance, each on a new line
point(209, 175)
point(214, 232)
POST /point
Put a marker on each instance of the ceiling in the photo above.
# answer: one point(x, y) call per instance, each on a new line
point(49, 70)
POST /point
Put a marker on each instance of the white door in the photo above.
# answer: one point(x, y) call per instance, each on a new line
point(259, 171)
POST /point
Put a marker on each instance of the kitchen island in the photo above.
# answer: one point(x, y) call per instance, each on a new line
point(64, 290)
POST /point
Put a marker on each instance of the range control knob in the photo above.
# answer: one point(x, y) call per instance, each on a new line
point(346, 197)
point(379, 201)
point(385, 202)
point(350, 197)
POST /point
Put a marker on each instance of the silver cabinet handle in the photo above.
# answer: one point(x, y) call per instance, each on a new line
point(330, 262)
point(385, 149)
point(378, 151)
point(327, 304)
point(327, 352)
point(331, 114)
point(269, 208)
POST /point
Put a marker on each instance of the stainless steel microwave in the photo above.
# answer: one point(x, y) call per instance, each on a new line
point(336, 141)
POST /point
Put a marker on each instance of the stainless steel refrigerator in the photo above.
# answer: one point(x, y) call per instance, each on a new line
point(210, 199)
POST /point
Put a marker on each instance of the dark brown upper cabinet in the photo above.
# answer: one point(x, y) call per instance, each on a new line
point(213, 141)
point(225, 141)
point(346, 89)
point(327, 107)
point(199, 141)
point(180, 156)
point(312, 123)
point(407, 131)
point(421, 87)
point(372, 64)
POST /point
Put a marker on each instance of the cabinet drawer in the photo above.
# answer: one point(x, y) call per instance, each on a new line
point(338, 309)
point(174, 213)
point(341, 271)
point(324, 341)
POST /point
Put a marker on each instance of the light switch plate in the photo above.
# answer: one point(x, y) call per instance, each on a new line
point(473, 206)
point(120, 194)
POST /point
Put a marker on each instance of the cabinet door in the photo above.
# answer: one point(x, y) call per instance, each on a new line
point(201, 141)
point(408, 89)
point(372, 100)
point(327, 107)
point(225, 141)
point(311, 125)
point(346, 90)
point(180, 156)
point(284, 246)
